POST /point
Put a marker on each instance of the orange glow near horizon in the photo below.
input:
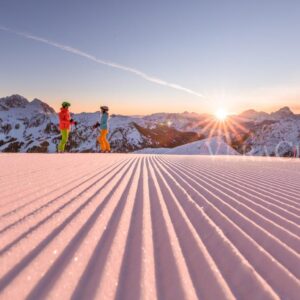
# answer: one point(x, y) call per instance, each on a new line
point(133, 106)
point(124, 109)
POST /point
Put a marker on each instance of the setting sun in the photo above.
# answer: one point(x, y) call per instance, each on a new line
point(221, 114)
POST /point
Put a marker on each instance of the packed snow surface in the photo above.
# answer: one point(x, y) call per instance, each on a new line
point(117, 226)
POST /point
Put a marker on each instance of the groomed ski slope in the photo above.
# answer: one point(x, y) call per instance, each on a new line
point(117, 226)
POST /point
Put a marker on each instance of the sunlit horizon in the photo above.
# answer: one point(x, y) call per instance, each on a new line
point(82, 106)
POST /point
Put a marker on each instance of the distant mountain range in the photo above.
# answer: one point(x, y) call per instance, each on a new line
point(32, 126)
point(210, 146)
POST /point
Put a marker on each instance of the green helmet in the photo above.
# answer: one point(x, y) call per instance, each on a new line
point(65, 104)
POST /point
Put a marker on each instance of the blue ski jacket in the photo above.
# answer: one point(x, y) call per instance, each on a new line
point(104, 120)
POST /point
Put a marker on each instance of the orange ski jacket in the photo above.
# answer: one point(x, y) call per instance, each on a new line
point(64, 119)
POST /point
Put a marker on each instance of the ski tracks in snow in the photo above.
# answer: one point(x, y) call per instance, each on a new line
point(123, 226)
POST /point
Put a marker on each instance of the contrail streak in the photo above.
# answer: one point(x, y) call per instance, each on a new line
point(103, 62)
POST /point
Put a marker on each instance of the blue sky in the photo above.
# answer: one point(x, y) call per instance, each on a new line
point(238, 54)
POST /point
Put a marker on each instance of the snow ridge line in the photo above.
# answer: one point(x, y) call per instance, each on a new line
point(58, 171)
point(264, 185)
point(89, 280)
point(255, 208)
point(47, 282)
point(46, 205)
point(133, 255)
point(43, 183)
point(5, 280)
point(151, 227)
point(58, 210)
point(188, 237)
point(213, 235)
point(164, 232)
point(275, 273)
point(285, 254)
point(236, 182)
point(263, 198)
point(261, 180)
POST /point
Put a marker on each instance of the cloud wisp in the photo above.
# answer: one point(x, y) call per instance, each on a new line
point(102, 62)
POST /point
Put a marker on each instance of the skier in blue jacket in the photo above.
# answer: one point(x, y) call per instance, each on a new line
point(104, 144)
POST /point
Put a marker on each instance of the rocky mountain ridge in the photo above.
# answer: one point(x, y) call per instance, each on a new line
point(32, 126)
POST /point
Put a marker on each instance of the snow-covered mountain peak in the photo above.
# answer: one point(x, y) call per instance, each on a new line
point(41, 106)
point(17, 104)
point(283, 113)
point(13, 101)
point(252, 114)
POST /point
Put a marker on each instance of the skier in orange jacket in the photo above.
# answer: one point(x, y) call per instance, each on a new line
point(65, 123)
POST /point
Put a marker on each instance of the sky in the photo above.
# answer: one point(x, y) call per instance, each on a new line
point(141, 57)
